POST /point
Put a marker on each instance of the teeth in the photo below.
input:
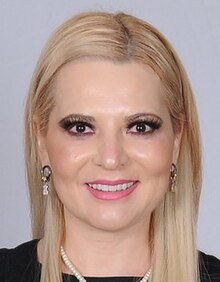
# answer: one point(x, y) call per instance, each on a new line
point(111, 188)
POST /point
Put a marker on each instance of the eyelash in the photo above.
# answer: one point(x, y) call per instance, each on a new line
point(69, 124)
point(151, 123)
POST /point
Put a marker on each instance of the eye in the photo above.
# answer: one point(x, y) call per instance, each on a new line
point(143, 127)
point(80, 128)
point(77, 128)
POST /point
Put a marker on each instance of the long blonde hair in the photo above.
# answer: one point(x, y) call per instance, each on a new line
point(120, 38)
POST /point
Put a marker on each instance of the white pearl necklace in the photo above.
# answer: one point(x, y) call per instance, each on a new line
point(76, 273)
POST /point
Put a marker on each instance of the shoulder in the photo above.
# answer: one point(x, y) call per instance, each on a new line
point(209, 267)
point(19, 263)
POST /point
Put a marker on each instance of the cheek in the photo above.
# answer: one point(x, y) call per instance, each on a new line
point(155, 159)
point(66, 157)
point(155, 155)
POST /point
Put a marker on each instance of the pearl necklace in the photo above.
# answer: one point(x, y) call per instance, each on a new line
point(76, 273)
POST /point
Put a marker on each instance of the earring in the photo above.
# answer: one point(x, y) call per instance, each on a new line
point(45, 177)
point(173, 175)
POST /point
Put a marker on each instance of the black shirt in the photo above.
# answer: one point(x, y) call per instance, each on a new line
point(21, 265)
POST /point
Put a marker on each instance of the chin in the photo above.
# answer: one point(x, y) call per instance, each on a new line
point(114, 221)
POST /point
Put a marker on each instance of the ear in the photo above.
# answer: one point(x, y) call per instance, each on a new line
point(176, 145)
point(41, 144)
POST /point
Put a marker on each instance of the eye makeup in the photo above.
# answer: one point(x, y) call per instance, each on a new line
point(78, 125)
point(137, 124)
point(143, 123)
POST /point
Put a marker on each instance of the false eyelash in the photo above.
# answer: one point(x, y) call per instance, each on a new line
point(68, 123)
point(153, 123)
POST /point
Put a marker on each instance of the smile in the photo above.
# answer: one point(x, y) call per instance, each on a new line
point(111, 188)
point(103, 189)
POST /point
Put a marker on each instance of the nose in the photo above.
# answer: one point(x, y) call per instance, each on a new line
point(111, 153)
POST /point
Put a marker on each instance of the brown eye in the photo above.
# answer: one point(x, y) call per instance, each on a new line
point(77, 128)
point(141, 127)
point(80, 128)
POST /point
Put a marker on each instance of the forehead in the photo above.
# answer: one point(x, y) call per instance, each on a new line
point(105, 84)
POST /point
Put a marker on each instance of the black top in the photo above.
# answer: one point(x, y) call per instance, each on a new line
point(21, 265)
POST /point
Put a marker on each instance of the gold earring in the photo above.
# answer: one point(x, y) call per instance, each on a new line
point(45, 177)
point(173, 175)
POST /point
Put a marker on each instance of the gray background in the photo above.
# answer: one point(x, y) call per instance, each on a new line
point(193, 27)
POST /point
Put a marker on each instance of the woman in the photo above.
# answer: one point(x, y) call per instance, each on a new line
point(112, 137)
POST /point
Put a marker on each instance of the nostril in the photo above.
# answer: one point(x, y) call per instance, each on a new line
point(110, 161)
point(110, 153)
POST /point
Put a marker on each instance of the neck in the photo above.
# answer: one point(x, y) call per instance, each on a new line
point(97, 252)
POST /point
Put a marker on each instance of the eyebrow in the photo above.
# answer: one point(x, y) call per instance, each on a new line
point(91, 119)
point(134, 117)
point(78, 117)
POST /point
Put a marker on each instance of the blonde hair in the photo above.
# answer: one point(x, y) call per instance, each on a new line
point(120, 38)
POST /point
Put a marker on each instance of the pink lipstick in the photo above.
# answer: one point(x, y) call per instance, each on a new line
point(111, 189)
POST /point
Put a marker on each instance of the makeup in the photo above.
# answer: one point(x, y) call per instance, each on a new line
point(111, 190)
point(137, 124)
point(78, 125)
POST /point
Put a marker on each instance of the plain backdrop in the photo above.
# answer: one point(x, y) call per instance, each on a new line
point(193, 27)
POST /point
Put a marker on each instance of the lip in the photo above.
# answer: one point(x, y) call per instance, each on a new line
point(109, 195)
point(111, 182)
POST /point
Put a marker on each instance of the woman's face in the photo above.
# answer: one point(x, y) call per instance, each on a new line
point(110, 143)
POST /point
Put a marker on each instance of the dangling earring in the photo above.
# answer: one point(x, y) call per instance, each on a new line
point(173, 175)
point(45, 177)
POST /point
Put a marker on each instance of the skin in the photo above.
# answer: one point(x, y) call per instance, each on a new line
point(101, 235)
